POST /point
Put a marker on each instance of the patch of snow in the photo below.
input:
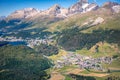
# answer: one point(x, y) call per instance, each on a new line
point(98, 21)
point(116, 8)
point(91, 8)
point(85, 5)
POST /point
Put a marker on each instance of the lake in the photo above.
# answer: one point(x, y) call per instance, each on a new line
point(18, 43)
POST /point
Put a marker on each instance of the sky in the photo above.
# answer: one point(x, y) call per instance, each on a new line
point(9, 6)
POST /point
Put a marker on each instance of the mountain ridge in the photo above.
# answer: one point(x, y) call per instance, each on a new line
point(35, 18)
point(56, 10)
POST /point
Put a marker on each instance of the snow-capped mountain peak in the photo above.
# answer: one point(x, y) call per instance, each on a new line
point(82, 6)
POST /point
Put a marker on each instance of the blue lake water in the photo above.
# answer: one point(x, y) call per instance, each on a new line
point(18, 43)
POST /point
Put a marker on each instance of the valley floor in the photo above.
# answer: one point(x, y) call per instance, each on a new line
point(110, 67)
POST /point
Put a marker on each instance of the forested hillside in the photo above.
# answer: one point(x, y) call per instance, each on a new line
point(22, 63)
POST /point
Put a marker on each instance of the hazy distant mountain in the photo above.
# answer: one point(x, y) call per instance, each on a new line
point(2, 17)
point(23, 13)
point(115, 7)
point(109, 4)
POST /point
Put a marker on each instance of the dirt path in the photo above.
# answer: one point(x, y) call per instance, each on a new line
point(112, 68)
point(56, 76)
point(95, 74)
point(78, 72)
point(74, 71)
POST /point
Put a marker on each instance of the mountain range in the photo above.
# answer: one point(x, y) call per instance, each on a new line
point(34, 18)
point(56, 10)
